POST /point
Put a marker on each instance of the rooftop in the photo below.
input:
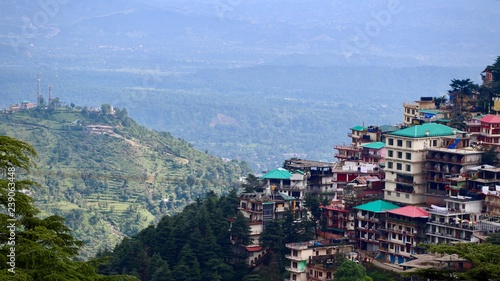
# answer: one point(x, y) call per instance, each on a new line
point(280, 174)
point(490, 118)
point(378, 206)
point(425, 130)
point(374, 145)
point(410, 211)
point(359, 128)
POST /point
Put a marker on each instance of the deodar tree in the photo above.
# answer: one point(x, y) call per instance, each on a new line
point(34, 248)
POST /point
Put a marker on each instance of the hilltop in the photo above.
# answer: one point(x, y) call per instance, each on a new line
point(110, 177)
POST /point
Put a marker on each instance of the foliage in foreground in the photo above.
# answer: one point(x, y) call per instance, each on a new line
point(32, 248)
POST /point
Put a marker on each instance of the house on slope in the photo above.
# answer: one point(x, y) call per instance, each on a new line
point(368, 221)
point(404, 229)
point(490, 130)
point(317, 260)
point(405, 181)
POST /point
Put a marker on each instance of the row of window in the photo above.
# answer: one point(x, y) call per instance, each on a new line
point(399, 166)
point(399, 143)
point(390, 153)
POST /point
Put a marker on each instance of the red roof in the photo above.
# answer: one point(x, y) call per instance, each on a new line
point(410, 211)
point(253, 248)
point(490, 118)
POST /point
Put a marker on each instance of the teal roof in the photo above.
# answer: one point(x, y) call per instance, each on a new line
point(419, 131)
point(443, 120)
point(378, 206)
point(374, 145)
point(278, 174)
point(286, 196)
point(388, 128)
point(429, 111)
point(359, 128)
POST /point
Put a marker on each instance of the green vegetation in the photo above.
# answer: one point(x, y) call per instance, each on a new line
point(192, 245)
point(485, 258)
point(351, 271)
point(34, 248)
point(112, 185)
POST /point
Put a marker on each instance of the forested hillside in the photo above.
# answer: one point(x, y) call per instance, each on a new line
point(192, 245)
point(111, 185)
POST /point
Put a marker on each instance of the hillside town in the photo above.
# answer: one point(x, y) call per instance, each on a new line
point(431, 180)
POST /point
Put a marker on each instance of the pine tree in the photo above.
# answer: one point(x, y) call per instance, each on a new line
point(39, 249)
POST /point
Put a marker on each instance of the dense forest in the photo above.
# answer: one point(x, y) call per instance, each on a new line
point(109, 186)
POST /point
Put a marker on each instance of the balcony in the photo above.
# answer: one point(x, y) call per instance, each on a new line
point(367, 218)
point(294, 269)
point(295, 258)
point(460, 226)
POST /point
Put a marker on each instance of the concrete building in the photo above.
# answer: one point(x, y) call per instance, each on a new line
point(405, 181)
point(404, 229)
point(317, 260)
point(369, 218)
point(455, 222)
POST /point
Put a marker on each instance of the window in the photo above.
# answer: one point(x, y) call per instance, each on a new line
point(294, 277)
point(407, 196)
point(408, 144)
point(399, 166)
point(389, 193)
point(400, 154)
point(294, 264)
point(400, 143)
point(408, 168)
point(434, 142)
point(320, 274)
point(408, 156)
point(391, 141)
point(390, 153)
point(389, 165)
point(398, 194)
point(295, 253)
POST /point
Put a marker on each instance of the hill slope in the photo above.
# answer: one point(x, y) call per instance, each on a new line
point(115, 183)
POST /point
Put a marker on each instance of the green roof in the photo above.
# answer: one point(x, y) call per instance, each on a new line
point(378, 206)
point(278, 174)
point(359, 128)
point(387, 128)
point(287, 197)
point(374, 145)
point(429, 111)
point(443, 120)
point(419, 131)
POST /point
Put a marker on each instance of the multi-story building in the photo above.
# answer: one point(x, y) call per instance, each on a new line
point(446, 169)
point(404, 229)
point(258, 208)
point(411, 110)
point(456, 222)
point(373, 153)
point(490, 130)
point(362, 136)
point(316, 260)
point(319, 176)
point(349, 171)
point(286, 186)
point(369, 218)
point(473, 127)
point(487, 75)
point(406, 151)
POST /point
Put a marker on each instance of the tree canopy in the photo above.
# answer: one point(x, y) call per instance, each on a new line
point(34, 248)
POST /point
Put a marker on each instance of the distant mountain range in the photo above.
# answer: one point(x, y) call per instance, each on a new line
point(387, 33)
point(294, 75)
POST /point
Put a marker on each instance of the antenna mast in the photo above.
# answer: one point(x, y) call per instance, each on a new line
point(38, 92)
point(50, 94)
